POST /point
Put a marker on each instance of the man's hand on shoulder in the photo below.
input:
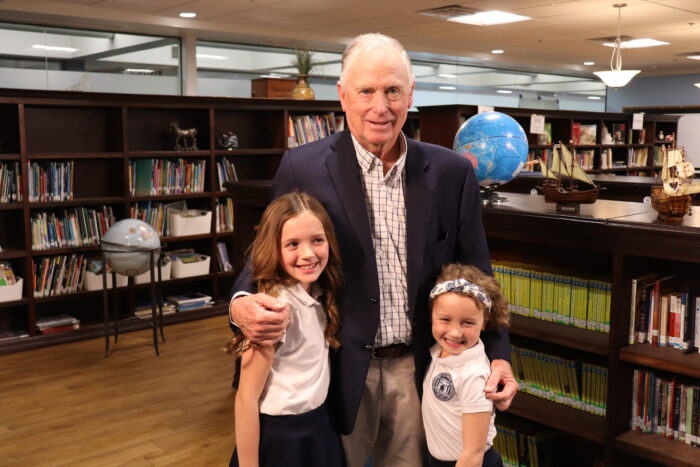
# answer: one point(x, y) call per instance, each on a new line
point(261, 318)
point(501, 373)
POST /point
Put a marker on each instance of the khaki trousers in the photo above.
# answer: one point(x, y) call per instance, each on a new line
point(389, 427)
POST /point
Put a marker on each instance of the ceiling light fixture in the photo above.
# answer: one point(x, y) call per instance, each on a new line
point(488, 18)
point(504, 91)
point(693, 57)
point(589, 63)
point(188, 14)
point(53, 48)
point(212, 57)
point(447, 75)
point(697, 84)
point(139, 70)
point(617, 77)
point(447, 88)
point(594, 98)
point(497, 51)
point(636, 43)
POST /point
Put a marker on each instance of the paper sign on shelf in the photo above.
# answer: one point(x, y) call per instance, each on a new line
point(638, 121)
point(537, 124)
point(484, 108)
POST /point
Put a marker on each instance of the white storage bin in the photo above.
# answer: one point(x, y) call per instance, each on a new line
point(189, 222)
point(94, 281)
point(199, 268)
point(145, 278)
point(11, 292)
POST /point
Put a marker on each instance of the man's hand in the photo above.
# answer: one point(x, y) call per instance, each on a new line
point(261, 318)
point(502, 373)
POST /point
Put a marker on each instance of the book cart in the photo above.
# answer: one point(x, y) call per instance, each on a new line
point(615, 242)
point(622, 152)
point(98, 137)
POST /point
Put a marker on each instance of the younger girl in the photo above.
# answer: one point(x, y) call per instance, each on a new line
point(458, 418)
point(281, 418)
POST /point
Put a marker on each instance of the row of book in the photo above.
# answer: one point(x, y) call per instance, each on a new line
point(57, 323)
point(551, 296)
point(10, 182)
point(664, 312)
point(657, 153)
point(166, 176)
point(307, 128)
point(225, 172)
point(58, 275)
point(523, 444)
point(585, 158)
point(570, 382)
point(224, 215)
point(665, 406)
point(75, 227)
point(223, 258)
point(50, 181)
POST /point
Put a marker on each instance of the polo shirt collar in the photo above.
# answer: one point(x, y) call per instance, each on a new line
point(454, 361)
point(298, 292)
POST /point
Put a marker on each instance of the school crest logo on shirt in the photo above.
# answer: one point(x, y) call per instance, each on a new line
point(443, 388)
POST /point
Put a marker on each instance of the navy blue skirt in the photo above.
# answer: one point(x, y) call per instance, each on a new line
point(491, 459)
point(304, 440)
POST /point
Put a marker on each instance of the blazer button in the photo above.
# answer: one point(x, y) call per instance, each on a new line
point(373, 301)
point(368, 347)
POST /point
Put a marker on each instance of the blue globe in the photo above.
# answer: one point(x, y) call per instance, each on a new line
point(495, 144)
point(128, 244)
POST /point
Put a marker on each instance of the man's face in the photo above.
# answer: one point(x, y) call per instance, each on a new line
point(376, 97)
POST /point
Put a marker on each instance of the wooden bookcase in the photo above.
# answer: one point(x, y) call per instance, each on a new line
point(101, 134)
point(439, 124)
point(615, 241)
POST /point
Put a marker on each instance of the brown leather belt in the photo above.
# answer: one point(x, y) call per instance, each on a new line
point(390, 351)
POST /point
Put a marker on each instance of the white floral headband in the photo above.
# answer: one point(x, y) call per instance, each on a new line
point(464, 287)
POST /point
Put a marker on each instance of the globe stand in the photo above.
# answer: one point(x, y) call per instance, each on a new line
point(489, 195)
point(156, 295)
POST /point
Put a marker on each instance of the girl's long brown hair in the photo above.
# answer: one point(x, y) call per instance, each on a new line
point(266, 251)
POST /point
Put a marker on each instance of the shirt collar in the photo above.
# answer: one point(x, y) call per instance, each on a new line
point(454, 361)
point(298, 292)
point(368, 161)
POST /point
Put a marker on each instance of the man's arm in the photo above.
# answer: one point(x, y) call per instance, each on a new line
point(474, 250)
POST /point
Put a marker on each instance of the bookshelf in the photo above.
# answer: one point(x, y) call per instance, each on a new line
point(101, 134)
point(617, 241)
point(625, 152)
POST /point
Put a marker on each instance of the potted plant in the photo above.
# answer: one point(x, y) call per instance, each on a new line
point(304, 62)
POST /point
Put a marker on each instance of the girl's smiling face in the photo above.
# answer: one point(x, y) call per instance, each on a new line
point(304, 248)
point(456, 322)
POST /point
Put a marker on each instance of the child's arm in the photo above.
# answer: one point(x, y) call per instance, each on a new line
point(475, 430)
point(255, 367)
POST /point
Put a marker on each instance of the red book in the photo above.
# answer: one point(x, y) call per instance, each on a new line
point(67, 327)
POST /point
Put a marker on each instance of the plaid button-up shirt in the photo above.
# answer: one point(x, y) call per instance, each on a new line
point(386, 209)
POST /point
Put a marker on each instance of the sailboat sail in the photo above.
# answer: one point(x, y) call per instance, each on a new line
point(546, 172)
point(677, 173)
point(576, 171)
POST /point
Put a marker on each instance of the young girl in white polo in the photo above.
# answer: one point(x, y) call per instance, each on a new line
point(458, 418)
point(281, 417)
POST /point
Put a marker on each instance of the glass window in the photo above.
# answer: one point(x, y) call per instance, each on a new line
point(38, 57)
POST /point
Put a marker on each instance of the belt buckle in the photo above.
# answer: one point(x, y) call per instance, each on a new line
point(374, 355)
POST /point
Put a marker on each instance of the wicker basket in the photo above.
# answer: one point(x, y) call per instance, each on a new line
point(670, 208)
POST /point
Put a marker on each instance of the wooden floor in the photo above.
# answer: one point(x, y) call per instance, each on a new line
point(67, 405)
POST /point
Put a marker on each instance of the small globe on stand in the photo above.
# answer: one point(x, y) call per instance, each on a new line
point(128, 246)
point(496, 145)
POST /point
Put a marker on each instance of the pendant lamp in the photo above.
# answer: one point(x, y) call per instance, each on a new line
point(616, 77)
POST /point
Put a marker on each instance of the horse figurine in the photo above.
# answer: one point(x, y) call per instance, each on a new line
point(185, 140)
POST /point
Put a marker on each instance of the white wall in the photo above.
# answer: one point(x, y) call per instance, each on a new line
point(689, 136)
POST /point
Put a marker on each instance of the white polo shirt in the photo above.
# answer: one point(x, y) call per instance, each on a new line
point(300, 373)
point(452, 386)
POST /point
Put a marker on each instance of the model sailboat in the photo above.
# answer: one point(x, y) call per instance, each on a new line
point(672, 198)
point(561, 179)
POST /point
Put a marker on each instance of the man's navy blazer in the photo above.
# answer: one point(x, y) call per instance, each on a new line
point(444, 225)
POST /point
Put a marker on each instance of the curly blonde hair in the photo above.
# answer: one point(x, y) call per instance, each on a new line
point(267, 270)
point(499, 315)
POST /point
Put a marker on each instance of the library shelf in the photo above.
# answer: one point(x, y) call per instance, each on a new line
point(658, 449)
point(439, 124)
point(560, 334)
point(102, 133)
point(662, 358)
point(13, 303)
point(559, 416)
point(619, 241)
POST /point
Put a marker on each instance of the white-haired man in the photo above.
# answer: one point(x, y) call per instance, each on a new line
point(401, 209)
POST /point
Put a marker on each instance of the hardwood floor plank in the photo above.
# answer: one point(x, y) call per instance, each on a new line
point(67, 405)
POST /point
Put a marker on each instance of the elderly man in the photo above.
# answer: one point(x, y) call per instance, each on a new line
point(401, 209)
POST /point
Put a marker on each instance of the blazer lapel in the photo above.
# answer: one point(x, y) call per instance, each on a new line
point(344, 172)
point(420, 184)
